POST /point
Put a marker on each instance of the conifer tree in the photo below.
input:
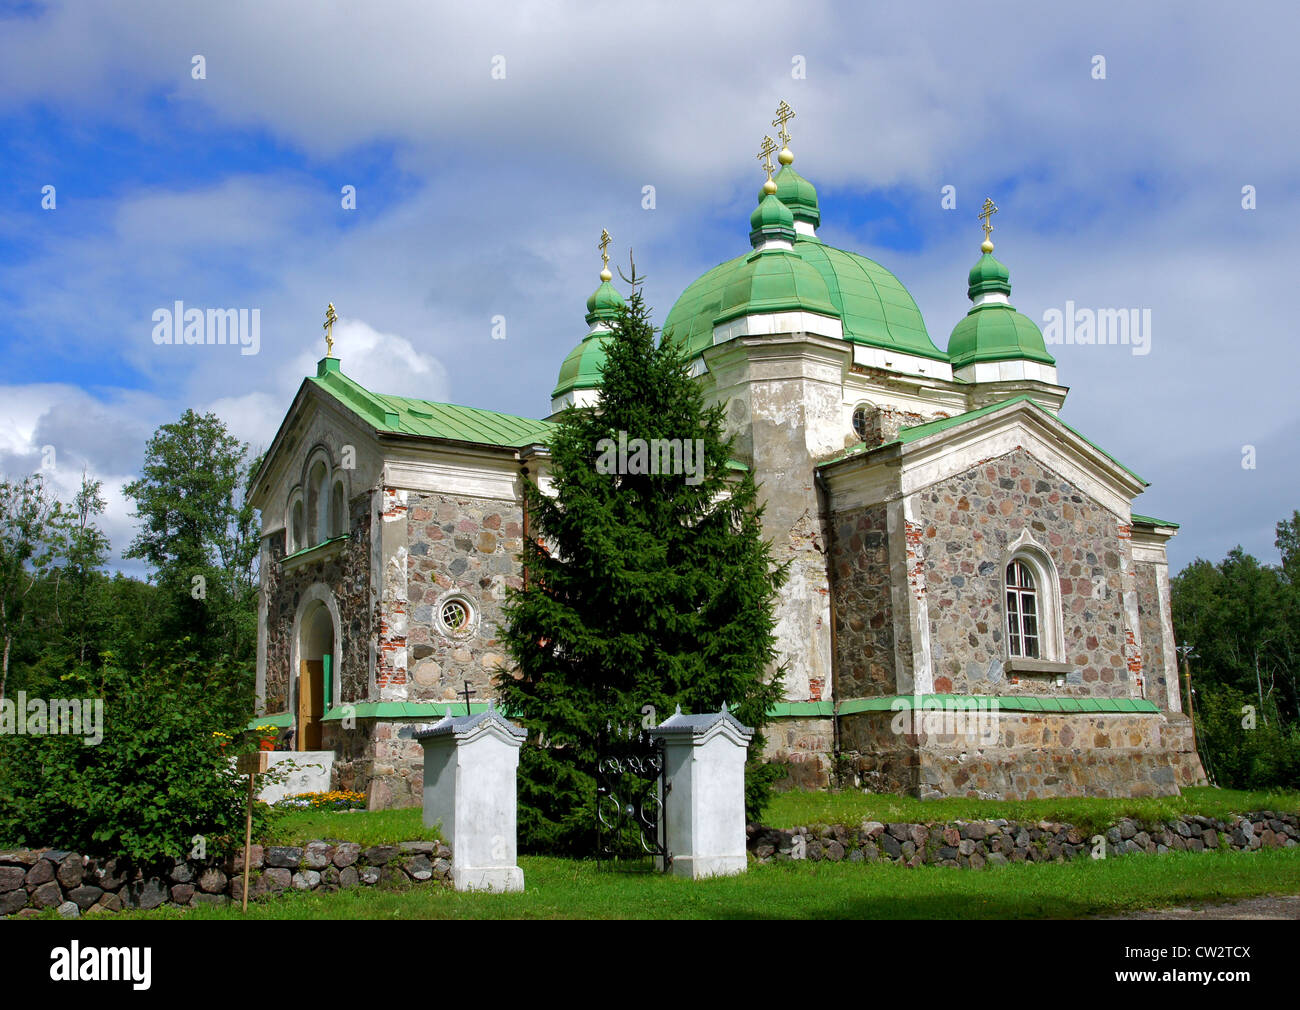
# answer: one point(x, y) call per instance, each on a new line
point(640, 588)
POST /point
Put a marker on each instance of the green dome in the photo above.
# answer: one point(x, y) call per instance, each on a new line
point(771, 281)
point(800, 195)
point(872, 304)
point(582, 368)
point(994, 331)
point(771, 219)
point(988, 275)
point(603, 304)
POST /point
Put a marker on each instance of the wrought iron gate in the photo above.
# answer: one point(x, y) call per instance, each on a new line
point(630, 792)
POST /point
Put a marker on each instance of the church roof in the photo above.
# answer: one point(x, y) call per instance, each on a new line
point(401, 415)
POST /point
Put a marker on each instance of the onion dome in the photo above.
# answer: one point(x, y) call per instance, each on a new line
point(771, 220)
point(993, 330)
point(582, 368)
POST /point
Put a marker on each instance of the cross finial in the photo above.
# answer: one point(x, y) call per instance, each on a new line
point(783, 115)
point(465, 694)
point(330, 319)
point(603, 245)
point(986, 212)
point(765, 156)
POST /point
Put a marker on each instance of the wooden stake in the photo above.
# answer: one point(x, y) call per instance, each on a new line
point(251, 764)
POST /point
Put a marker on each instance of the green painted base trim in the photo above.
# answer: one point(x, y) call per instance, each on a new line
point(403, 710)
point(282, 719)
point(1005, 703)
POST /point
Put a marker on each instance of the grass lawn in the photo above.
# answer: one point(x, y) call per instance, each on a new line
point(571, 889)
point(795, 809)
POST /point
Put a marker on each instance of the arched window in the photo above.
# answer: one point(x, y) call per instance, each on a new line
point(321, 494)
point(297, 531)
point(1023, 611)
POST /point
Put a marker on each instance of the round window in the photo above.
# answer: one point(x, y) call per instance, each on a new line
point(455, 615)
point(860, 422)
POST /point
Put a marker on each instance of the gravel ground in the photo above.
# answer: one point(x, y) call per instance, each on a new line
point(1270, 906)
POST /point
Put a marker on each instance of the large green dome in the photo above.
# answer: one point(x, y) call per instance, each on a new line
point(871, 303)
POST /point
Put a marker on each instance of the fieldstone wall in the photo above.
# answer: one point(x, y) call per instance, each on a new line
point(347, 576)
point(35, 879)
point(976, 844)
point(863, 607)
point(468, 546)
point(804, 746)
point(1020, 755)
point(967, 524)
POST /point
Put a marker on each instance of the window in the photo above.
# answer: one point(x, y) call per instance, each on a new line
point(860, 422)
point(320, 491)
point(455, 616)
point(297, 535)
point(1022, 611)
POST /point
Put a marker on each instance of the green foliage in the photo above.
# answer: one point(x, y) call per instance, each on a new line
point(199, 534)
point(158, 777)
point(1242, 619)
point(640, 589)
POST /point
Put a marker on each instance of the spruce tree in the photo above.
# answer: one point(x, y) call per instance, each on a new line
point(639, 588)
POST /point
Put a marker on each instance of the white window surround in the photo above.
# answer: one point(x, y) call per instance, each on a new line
point(1051, 644)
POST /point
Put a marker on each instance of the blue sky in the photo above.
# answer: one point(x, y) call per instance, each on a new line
point(481, 195)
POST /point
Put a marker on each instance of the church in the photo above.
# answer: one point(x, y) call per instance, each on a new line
point(973, 608)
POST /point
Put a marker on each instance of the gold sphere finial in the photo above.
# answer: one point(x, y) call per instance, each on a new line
point(605, 275)
point(769, 187)
point(786, 156)
point(986, 246)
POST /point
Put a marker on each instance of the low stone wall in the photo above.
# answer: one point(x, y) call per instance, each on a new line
point(36, 879)
point(975, 844)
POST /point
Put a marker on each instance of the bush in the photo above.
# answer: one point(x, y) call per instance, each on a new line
point(159, 777)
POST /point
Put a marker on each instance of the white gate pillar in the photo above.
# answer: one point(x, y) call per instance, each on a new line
point(704, 768)
point(469, 787)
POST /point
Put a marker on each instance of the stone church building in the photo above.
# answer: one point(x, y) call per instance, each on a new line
point(974, 608)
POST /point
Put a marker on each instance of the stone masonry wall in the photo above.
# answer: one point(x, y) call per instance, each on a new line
point(967, 524)
point(467, 546)
point(861, 595)
point(348, 577)
point(35, 879)
point(976, 844)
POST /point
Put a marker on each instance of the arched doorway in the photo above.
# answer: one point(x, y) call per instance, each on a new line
point(315, 672)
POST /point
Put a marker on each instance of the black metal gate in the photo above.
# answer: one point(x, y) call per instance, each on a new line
point(631, 825)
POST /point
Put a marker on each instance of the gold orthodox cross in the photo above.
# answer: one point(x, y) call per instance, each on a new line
point(330, 320)
point(765, 155)
point(783, 115)
point(986, 212)
point(603, 246)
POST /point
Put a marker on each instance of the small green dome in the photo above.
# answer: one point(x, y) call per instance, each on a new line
point(772, 281)
point(994, 331)
point(771, 219)
point(582, 368)
point(988, 275)
point(800, 195)
point(603, 304)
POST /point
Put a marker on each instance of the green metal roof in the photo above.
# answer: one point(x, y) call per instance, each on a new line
point(919, 431)
point(800, 195)
point(773, 281)
point(400, 415)
point(1151, 521)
